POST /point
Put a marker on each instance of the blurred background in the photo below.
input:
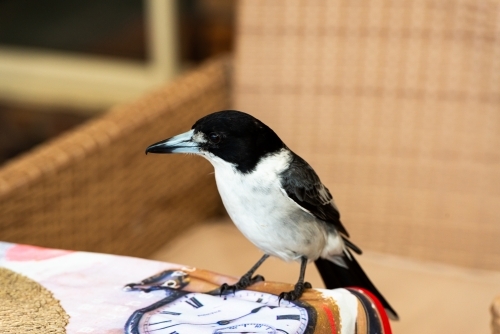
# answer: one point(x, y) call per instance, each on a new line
point(62, 62)
point(396, 105)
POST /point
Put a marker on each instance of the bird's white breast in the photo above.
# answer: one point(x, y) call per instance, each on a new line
point(263, 212)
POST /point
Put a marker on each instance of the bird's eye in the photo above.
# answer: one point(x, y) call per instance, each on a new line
point(214, 137)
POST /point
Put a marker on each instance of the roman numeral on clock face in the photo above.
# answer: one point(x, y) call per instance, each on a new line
point(288, 317)
point(171, 313)
point(194, 302)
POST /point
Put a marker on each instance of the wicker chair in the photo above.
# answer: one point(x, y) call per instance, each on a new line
point(92, 189)
point(395, 104)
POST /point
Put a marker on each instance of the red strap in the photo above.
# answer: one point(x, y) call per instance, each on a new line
point(383, 315)
point(331, 319)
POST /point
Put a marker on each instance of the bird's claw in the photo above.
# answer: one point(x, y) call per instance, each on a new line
point(244, 282)
point(226, 287)
point(255, 279)
point(296, 293)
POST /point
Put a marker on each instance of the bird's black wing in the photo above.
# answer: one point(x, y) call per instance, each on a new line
point(302, 184)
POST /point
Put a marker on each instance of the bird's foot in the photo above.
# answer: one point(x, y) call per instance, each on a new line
point(296, 293)
point(244, 282)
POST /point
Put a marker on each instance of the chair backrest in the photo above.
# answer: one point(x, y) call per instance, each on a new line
point(94, 189)
point(396, 104)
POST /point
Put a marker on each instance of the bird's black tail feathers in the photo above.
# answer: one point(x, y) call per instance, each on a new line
point(335, 276)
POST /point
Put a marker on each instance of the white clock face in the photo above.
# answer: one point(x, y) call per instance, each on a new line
point(247, 328)
point(242, 312)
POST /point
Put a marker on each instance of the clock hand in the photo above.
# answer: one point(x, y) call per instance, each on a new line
point(220, 322)
point(255, 310)
point(157, 329)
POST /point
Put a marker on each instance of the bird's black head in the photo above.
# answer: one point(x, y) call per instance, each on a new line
point(230, 135)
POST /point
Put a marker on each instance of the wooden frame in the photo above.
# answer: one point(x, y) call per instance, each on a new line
point(91, 82)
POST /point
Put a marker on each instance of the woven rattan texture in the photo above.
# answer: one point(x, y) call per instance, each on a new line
point(396, 104)
point(95, 189)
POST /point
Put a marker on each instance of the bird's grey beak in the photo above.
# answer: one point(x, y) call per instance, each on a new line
point(182, 143)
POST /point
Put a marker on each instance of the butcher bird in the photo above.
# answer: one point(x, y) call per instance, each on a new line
point(276, 199)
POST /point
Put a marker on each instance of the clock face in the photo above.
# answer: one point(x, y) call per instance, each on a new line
point(242, 312)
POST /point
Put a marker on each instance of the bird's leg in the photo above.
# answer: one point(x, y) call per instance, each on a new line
point(247, 279)
point(300, 286)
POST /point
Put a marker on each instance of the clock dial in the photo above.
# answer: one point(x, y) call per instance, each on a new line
point(247, 328)
point(242, 312)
